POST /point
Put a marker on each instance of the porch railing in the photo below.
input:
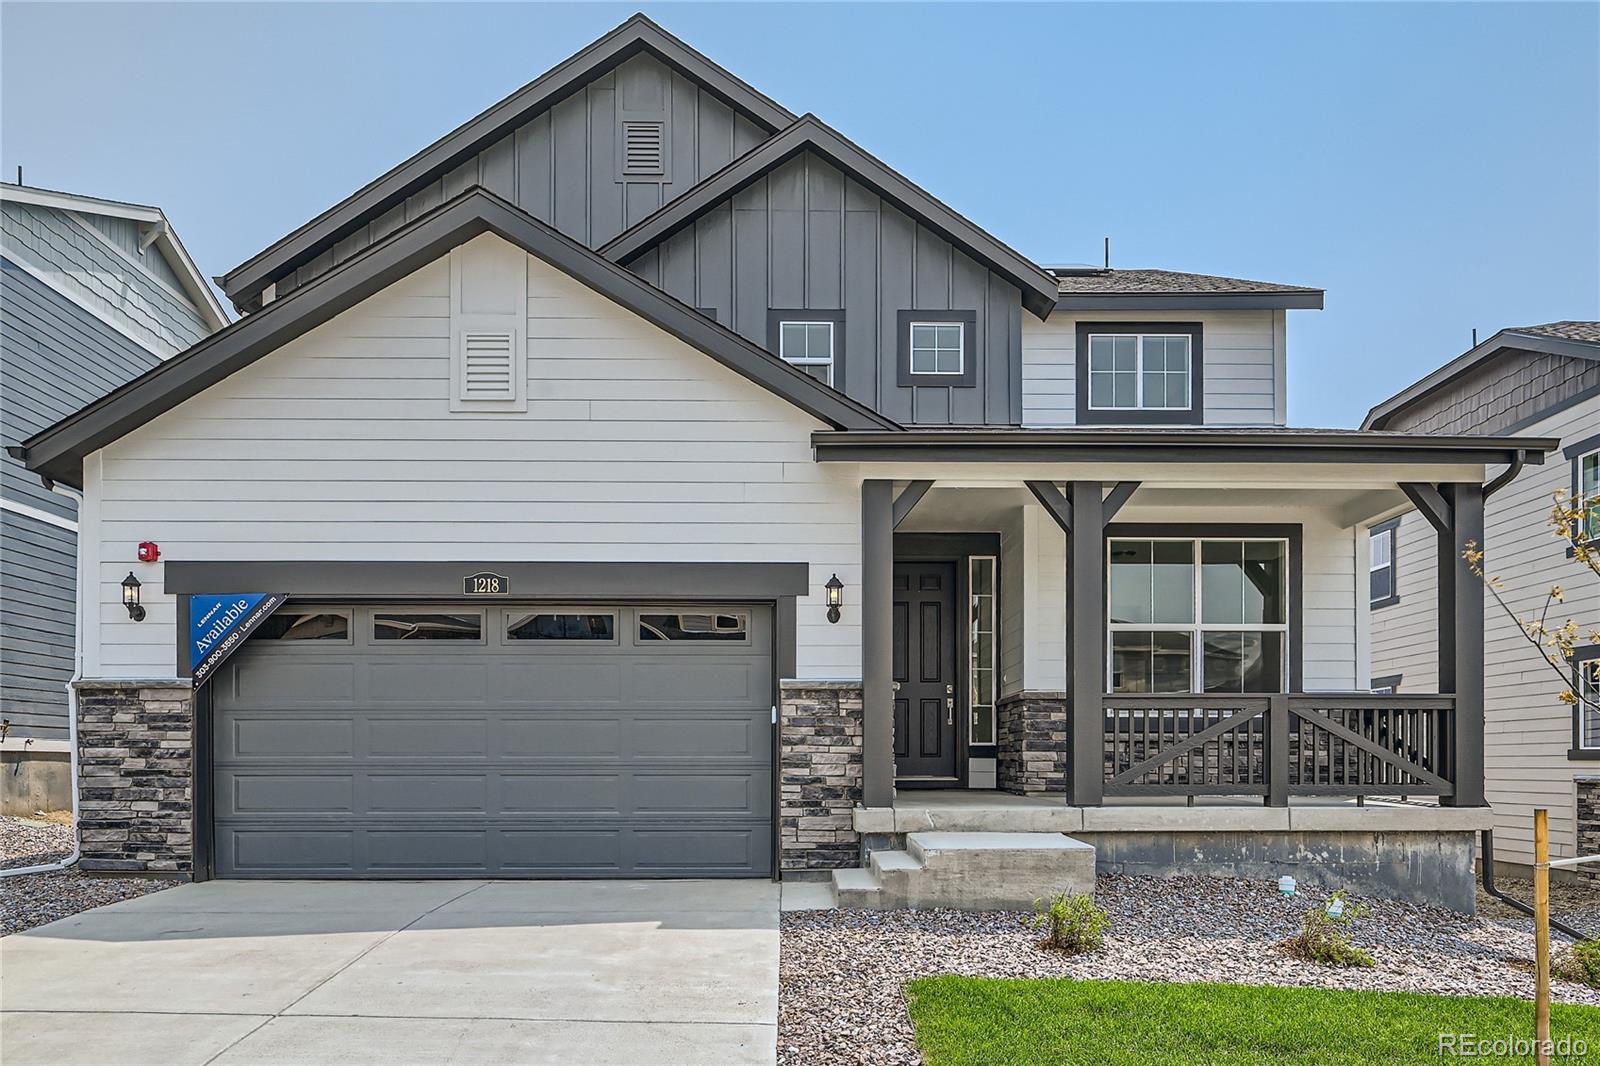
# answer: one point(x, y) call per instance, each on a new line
point(1280, 745)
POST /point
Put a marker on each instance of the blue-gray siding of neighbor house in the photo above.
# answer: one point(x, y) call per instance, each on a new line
point(562, 166)
point(806, 235)
point(54, 358)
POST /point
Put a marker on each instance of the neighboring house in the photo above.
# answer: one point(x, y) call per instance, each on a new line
point(1543, 381)
point(92, 293)
point(657, 483)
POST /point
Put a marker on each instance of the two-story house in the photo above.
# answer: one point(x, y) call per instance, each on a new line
point(1539, 752)
point(93, 293)
point(645, 480)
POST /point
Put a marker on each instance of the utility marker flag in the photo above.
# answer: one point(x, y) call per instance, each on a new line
point(219, 624)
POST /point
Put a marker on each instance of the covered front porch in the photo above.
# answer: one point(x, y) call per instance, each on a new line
point(1159, 619)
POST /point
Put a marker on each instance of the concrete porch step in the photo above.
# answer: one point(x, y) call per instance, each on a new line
point(969, 871)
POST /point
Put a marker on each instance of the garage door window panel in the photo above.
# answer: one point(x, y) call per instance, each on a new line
point(325, 626)
point(561, 626)
point(421, 628)
point(694, 627)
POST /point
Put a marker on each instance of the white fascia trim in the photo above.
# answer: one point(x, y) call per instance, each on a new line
point(77, 301)
point(201, 296)
point(38, 515)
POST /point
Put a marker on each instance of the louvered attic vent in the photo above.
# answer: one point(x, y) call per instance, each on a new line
point(644, 148)
point(488, 364)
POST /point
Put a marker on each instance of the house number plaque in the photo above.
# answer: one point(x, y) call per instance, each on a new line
point(486, 584)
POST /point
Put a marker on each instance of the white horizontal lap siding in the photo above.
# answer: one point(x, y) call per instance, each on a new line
point(1243, 364)
point(342, 446)
point(1527, 730)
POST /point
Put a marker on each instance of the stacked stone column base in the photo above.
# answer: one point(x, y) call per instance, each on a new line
point(135, 776)
point(1032, 743)
point(820, 749)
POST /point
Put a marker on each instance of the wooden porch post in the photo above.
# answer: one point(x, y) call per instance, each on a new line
point(1461, 635)
point(1086, 634)
point(877, 643)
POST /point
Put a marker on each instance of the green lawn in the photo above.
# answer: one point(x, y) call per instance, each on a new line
point(962, 1020)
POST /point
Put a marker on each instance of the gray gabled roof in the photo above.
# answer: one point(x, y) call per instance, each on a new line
point(1083, 288)
point(57, 453)
point(810, 133)
point(637, 34)
point(1576, 340)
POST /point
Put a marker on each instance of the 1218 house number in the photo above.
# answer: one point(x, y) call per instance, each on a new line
point(485, 585)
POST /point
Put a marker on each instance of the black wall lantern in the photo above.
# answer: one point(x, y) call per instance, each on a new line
point(130, 597)
point(835, 589)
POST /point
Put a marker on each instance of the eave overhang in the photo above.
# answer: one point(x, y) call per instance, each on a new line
point(1197, 301)
point(1197, 445)
point(637, 34)
point(57, 453)
point(1040, 289)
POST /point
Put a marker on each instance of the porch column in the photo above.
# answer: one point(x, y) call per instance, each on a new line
point(877, 643)
point(1461, 638)
point(1086, 634)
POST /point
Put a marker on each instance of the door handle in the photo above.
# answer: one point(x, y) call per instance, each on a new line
point(949, 710)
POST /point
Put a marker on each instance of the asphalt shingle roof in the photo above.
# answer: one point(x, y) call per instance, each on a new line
point(1584, 332)
point(1167, 281)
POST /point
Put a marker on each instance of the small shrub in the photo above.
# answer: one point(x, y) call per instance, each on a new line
point(1581, 964)
point(1072, 923)
point(1325, 938)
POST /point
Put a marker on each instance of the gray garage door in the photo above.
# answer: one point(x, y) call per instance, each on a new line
point(469, 741)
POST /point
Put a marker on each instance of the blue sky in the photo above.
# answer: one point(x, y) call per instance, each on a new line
point(1435, 167)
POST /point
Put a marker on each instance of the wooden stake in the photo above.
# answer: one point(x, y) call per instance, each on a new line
point(1541, 934)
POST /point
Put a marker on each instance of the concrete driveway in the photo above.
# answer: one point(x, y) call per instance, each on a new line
point(402, 972)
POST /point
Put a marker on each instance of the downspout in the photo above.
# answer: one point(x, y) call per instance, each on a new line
point(72, 711)
point(1516, 904)
point(1506, 476)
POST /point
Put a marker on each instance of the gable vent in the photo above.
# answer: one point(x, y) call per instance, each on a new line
point(644, 147)
point(488, 365)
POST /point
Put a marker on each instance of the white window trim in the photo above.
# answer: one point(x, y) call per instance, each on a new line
point(1138, 371)
point(994, 653)
point(809, 360)
point(1197, 629)
point(960, 350)
point(1373, 566)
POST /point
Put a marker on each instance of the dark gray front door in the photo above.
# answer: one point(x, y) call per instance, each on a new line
point(475, 740)
point(925, 669)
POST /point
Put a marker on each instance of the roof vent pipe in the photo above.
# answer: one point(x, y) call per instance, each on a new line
point(1474, 336)
point(1108, 253)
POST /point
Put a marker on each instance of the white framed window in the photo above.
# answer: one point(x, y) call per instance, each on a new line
point(809, 346)
point(1140, 371)
point(981, 666)
point(1586, 713)
point(1197, 615)
point(1586, 500)
point(1382, 573)
point(938, 348)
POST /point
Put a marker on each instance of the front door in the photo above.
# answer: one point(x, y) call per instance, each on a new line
point(925, 711)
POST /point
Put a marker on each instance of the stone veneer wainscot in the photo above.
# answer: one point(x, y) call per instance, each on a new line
point(136, 797)
point(820, 753)
point(1032, 735)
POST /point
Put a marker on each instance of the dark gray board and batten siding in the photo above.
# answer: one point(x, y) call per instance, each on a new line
point(54, 358)
point(806, 235)
point(564, 166)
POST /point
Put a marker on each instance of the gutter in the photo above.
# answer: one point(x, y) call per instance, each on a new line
point(1506, 476)
point(72, 716)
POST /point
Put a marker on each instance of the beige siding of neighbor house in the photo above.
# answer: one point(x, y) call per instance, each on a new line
point(1528, 730)
point(1244, 368)
point(342, 445)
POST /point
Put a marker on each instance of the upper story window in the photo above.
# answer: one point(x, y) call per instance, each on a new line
point(1131, 372)
point(810, 339)
point(937, 348)
point(1384, 575)
point(1586, 495)
point(809, 346)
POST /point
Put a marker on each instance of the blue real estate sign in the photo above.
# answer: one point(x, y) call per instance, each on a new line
point(219, 624)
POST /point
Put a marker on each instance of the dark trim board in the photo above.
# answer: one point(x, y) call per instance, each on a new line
point(637, 34)
point(705, 582)
point(967, 320)
point(1193, 415)
point(57, 453)
point(809, 133)
point(1293, 533)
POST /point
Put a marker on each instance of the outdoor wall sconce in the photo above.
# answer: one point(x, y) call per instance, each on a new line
point(130, 597)
point(835, 589)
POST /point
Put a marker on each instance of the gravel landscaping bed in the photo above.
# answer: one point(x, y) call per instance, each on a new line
point(29, 900)
point(841, 972)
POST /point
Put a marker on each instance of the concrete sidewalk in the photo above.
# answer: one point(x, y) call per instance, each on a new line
point(402, 972)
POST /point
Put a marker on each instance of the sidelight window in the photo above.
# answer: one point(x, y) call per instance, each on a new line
point(981, 661)
point(1202, 615)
